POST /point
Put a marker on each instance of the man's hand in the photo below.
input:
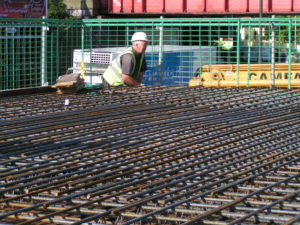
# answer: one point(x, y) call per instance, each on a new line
point(130, 81)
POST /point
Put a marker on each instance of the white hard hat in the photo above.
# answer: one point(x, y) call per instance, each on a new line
point(139, 36)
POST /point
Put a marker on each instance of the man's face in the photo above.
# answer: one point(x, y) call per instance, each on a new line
point(141, 46)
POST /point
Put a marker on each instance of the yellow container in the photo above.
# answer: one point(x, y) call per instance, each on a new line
point(244, 75)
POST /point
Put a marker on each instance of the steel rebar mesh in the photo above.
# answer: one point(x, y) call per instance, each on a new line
point(153, 155)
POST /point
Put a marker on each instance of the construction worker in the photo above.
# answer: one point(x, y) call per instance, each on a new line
point(128, 68)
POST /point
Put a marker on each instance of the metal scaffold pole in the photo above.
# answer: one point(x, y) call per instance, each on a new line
point(44, 55)
point(273, 55)
point(44, 48)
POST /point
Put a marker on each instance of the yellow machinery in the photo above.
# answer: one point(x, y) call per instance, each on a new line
point(252, 75)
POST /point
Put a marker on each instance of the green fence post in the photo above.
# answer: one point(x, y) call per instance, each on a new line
point(6, 60)
point(249, 56)
point(290, 54)
point(82, 52)
point(12, 73)
point(238, 49)
point(52, 52)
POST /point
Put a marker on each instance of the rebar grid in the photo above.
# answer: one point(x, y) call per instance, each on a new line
point(152, 155)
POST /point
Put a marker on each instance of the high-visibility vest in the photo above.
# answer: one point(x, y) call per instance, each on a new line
point(113, 74)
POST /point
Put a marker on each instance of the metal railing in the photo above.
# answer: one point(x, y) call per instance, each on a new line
point(242, 52)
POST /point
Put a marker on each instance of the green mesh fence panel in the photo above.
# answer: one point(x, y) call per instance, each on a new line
point(20, 55)
point(35, 52)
